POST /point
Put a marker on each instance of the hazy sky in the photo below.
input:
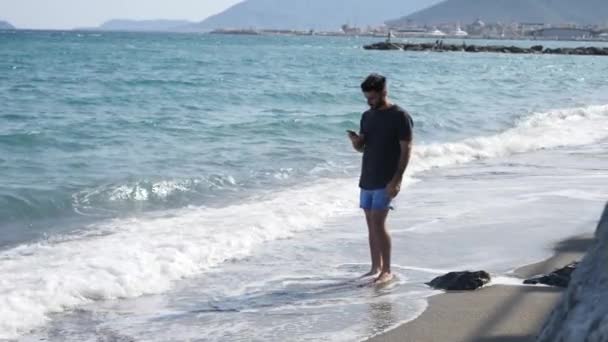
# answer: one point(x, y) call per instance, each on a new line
point(67, 14)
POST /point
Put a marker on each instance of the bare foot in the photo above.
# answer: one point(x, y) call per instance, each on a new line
point(383, 278)
point(371, 273)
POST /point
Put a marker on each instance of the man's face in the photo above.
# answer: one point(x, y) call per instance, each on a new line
point(374, 98)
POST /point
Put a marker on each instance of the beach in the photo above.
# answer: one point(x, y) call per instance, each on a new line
point(495, 313)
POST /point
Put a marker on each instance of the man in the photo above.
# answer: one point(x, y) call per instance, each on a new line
point(385, 139)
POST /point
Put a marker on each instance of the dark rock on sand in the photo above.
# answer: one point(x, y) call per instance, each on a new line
point(460, 281)
point(560, 278)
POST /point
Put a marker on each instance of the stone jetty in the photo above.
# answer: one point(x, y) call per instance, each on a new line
point(441, 47)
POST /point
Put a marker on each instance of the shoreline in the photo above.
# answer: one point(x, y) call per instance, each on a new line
point(496, 313)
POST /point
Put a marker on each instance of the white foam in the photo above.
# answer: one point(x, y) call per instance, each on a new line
point(421, 269)
point(165, 188)
point(145, 255)
point(506, 280)
point(125, 192)
point(144, 190)
point(565, 127)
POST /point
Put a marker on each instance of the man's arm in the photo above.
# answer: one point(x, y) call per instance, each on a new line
point(404, 159)
point(405, 131)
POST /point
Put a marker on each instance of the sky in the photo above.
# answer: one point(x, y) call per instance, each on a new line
point(68, 14)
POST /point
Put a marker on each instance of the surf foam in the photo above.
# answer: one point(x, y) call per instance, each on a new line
point(130, 258)
point(145, 255)
point(558, 128)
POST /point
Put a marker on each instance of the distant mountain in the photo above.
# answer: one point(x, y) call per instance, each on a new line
point(5, 25)
point(144, 25)
point(311, 14)
point(580, 12)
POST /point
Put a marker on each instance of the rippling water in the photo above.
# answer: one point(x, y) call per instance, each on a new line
point(179, 155)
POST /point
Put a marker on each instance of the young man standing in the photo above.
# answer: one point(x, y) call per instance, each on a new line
point(385, 139)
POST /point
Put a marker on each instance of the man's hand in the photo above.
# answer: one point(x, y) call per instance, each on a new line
point(393, 188)
point(356, 140)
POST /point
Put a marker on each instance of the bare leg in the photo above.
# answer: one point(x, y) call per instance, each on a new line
point(378, 218)
point(374, 246)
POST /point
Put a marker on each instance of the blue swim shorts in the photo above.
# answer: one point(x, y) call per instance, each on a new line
point(375, 199)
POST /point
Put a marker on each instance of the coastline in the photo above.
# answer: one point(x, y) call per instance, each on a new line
point(497, 313)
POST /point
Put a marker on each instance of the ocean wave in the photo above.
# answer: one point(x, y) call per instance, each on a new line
point(21, 139)
point(139, 256)
point(112, 197)
point(108, 200)
point(553, 129)
point(564, 127)
point(145, 255)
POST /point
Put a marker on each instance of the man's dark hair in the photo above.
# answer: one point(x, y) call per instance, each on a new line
point(374, 82)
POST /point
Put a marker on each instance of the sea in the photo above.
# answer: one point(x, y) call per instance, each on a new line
point(197, 187)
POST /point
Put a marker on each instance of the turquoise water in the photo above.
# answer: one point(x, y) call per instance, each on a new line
point(102, 134)
point(108, 124)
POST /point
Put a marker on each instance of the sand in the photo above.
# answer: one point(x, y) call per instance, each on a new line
point(498, 313)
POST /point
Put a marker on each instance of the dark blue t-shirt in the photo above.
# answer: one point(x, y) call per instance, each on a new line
point(382, 130)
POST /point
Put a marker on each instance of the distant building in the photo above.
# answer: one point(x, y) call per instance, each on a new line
point(529, 27)
point(563, 33)
point(477, 28)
